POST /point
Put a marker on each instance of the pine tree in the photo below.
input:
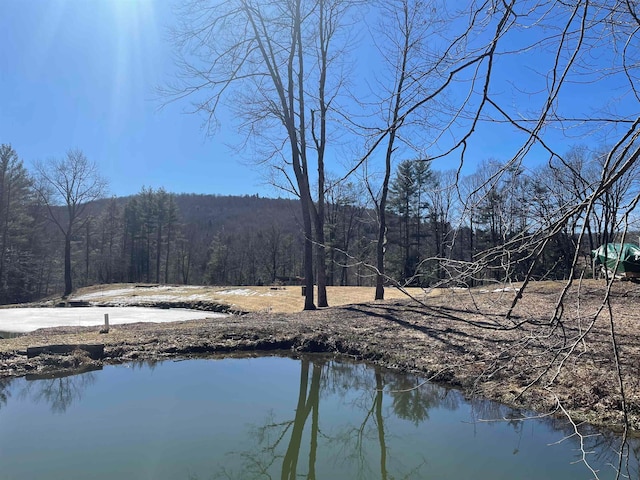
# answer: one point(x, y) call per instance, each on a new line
point(408, 200)
point(17, 272)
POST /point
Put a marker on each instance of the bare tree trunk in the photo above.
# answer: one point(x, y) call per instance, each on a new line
point(381, 245)
point(158, 251)
point(87, 249)
point(393, 130)
point(321, 264)
point(324, 27)
point(68, 287)
point(308, 256)
point(168, 256)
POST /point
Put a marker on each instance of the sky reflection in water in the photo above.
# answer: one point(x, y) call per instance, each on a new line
point(273, 417)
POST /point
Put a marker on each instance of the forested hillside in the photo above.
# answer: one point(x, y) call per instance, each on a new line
point(434, 235)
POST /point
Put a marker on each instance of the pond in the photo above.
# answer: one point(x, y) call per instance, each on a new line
point(260, 418)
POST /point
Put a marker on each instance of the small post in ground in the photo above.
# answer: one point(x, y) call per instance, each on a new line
point(106, 324)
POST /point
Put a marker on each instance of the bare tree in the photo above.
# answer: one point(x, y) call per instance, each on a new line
point(271, 63)
point(441, 210)
point(403, 80)
point(516, 68)
point(344, 225)
point(582, 48)
point(110, 231)
point(65, 186)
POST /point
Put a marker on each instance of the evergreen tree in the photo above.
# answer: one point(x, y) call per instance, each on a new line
point(408, 200)
point(17, 257)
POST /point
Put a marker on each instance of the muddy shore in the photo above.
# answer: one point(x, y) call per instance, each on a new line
point(533, 359)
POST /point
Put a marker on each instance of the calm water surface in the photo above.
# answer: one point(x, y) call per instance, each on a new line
point(273, 417)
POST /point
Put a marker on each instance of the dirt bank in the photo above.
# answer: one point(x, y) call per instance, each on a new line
point(458, 338)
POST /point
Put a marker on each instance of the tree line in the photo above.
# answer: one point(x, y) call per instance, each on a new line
point(433, 236)
point(381, 82)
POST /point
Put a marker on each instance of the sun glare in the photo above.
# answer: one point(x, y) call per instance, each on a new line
point(135, 35)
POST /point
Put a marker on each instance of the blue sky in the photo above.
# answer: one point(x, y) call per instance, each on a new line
point(84, 74)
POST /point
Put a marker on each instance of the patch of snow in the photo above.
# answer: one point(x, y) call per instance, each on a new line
point(106, 293)
point(137, 299)
point(23, 320)
point(134, 291)
point(506, 289)
point(238, 291)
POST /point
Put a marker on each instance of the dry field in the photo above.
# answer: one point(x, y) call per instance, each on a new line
point(287, 299)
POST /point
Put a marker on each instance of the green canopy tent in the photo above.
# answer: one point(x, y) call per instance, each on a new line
point(619, 260)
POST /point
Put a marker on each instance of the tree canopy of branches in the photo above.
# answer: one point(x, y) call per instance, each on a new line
point(272, 63)
point(511, 69)
point(516, 68)
point(72, 182)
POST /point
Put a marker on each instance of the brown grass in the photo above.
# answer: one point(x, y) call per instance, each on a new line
point(287, 299)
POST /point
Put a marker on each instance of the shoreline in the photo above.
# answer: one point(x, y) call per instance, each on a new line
point(463, 347)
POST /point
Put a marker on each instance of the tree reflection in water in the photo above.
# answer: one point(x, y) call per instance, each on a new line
point(306, 405)
point(279, 445)
point(60, 391)
point(601, 447)
point(5, 392)
point(412, 398)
